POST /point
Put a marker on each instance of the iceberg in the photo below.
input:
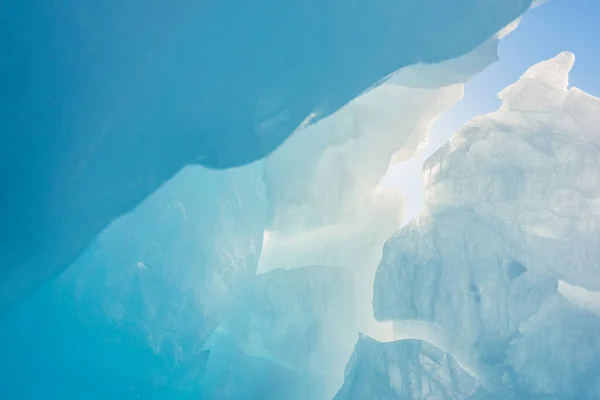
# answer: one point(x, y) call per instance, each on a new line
point(105, 102)
point(500, 269)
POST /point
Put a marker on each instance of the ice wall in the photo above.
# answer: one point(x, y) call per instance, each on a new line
point(511, 210)
point(130, 317)
point(105, 101)
point(165, 302)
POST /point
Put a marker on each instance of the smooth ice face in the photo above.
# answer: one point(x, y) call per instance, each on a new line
point(232, 374)
point(304, 319)
point(180, 262)
point(511, 209)
point(104, 103)
point(131, 316)
point(456, 70)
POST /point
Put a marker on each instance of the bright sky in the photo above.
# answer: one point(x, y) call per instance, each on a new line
point(545, 31)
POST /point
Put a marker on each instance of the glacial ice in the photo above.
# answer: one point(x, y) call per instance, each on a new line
point(542, 175)
point(304, 320)
point(322, 182)
point(105, 101)
point(130, 317)
point(253, 282)
point(328, 223)
point(232, 374)
point(511, 217)
point(165, 302)
point(405, 370)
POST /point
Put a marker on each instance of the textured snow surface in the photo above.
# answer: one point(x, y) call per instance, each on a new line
point(511, 216)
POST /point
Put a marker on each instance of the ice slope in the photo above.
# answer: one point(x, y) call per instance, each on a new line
point(105, 101)
point(511, 210)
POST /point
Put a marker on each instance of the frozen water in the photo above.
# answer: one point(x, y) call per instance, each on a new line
point(533, 163)
point(140, 306)
point(405, 370)
point(329, 220)
point(322, 182)
point(510, 217)
point(232, 374)
point(130, 317)
point(304, 319)
point(105, 102)
point(163, 300)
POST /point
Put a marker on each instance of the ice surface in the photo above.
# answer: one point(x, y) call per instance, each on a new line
point(533, 163)
point(321, 183)
point(511, 216)
point(162, 300)
point(456, 70)
point(304, 319)
point(105, 102)
point(328, 223)
point(404, 370)
point(165, 302)
point(130, 317)
point(232, 374)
